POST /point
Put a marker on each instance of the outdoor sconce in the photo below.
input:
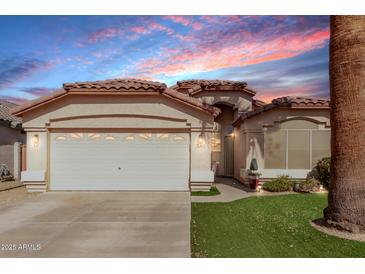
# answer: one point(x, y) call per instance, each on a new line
point(35, 140)
point(201, 142)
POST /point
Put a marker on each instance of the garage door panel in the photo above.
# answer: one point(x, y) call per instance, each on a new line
point(152, 164)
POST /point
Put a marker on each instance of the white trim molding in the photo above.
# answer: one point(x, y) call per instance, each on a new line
point(33, 176)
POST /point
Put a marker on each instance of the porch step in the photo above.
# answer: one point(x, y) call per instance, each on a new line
point(201, 186)
point(36, 186)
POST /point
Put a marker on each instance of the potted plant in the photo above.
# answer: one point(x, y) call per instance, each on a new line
point(5, 173)
point(254, 175)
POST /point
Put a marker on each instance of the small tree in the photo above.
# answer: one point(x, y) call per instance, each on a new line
point(253, 165)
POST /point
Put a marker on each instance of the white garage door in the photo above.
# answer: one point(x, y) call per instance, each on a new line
point(119, 161)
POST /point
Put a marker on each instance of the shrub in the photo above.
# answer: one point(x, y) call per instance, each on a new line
point(280, 184)
point(321, 171)
point(310, 185)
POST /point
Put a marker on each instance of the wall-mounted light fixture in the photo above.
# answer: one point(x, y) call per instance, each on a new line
point(201, 142)
point(35, 140)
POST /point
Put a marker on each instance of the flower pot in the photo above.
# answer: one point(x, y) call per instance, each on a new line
point(253, 181)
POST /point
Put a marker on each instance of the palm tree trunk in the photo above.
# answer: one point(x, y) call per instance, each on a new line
point(346, 208)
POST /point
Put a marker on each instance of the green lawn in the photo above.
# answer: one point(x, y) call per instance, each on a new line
point(266, 226)
point(212, 192)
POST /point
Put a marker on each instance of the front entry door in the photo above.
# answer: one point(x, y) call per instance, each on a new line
point(228, 156)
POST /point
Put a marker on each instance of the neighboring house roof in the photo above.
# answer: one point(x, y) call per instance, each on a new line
point(5, 114)
point(128, 86)
point(285, 102)
point(199, 85)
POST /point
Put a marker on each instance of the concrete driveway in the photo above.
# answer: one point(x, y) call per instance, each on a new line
point(97, 224)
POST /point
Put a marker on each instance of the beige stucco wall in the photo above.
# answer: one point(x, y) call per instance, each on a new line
point(200, 157)
point(119, 122)
point(37, 156)
point(239, 152)
point(279, 114)
point(76, 105)
point(241, 101)
point(249, 136)
point(118, 112)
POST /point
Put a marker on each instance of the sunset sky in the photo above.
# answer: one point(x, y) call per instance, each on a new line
point(275, 55)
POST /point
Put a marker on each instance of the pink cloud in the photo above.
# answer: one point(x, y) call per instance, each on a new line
point(270, 94)
point(212, 56)
point(103, 34)
point(197, 26)
point(38, 91)
point(140, 30)
point(133, 33)
point(147, 26)
point(159, 27)
point(183, 20)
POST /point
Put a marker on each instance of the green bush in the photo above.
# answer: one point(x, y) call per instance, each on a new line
point(309, 185)
point(321, 171)
point(280, 184)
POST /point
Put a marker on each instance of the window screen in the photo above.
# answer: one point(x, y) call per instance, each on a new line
point(299, 149)
point(321, 145)
point(275, 145)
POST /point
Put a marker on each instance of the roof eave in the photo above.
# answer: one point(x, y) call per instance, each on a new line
point(19, 110)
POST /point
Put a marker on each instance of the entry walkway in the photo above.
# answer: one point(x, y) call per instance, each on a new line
point(232, 190)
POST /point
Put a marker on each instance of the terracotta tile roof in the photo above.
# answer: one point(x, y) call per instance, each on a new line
point(5, 114)
point(199, 85)
point(300, 102)
point(285, 102)
point(117, 84)
point(211, 83)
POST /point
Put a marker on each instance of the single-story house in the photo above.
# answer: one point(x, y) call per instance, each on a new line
point(12, 136)
point(130, 134)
